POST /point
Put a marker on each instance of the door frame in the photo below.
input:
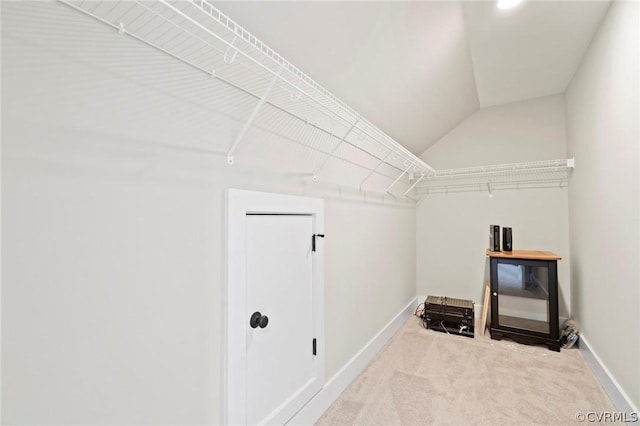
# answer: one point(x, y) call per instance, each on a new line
point(239, 204)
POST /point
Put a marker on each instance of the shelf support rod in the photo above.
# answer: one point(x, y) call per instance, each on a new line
point(399, 177)
point(335, 148)
point(413, 186)
point(372, 171)
point(252, 117)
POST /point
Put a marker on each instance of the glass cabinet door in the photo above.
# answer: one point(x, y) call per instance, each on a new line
point(523, 295)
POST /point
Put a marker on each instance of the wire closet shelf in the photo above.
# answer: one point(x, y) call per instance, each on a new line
point(527, 175)
point(198, 34)
point(271, 93)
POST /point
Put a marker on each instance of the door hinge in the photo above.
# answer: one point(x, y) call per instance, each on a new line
point(314, 346)
point(313, 241)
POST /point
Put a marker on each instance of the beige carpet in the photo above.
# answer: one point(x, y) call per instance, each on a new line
point(426, 377)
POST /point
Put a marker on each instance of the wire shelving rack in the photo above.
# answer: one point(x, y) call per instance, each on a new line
point(526, 175)
point(269, 93)
point(198, 34)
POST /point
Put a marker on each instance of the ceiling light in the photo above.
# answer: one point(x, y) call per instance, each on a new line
point(508, 4)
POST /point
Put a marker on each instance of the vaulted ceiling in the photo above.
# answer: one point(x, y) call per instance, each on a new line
point(418, 69)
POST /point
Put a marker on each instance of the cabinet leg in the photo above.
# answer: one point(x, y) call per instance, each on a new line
point(496, 335)
point(554, 346)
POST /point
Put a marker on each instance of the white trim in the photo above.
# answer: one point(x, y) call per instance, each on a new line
point(239, 204)
point(311, 412)
point(618, 396)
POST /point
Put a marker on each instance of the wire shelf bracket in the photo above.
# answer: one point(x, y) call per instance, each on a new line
point(373, 170)
point(398, 178)
point(252, 117)
point(333, 150)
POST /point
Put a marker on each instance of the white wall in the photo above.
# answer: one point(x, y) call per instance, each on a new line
point(113, 178)
point(602, 133)
point(453, 229)
point(366, 270)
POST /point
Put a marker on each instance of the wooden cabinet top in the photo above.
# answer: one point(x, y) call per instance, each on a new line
point(524, 254)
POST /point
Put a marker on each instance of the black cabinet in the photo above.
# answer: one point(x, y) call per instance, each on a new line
point(524, 297)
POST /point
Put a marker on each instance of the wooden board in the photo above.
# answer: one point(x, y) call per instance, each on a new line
point(524, 254)
point(485, 308)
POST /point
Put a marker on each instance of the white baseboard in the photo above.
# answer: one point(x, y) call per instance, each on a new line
point(618, 396)
point(312, 411)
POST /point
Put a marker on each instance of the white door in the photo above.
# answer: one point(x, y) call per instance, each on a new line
point(281, 369)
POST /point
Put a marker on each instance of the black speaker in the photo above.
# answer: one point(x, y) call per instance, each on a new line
point(507, 239)
point(494, 237)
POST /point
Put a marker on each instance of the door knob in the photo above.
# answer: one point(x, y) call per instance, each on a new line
point(258, 320)
point(264, 321)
